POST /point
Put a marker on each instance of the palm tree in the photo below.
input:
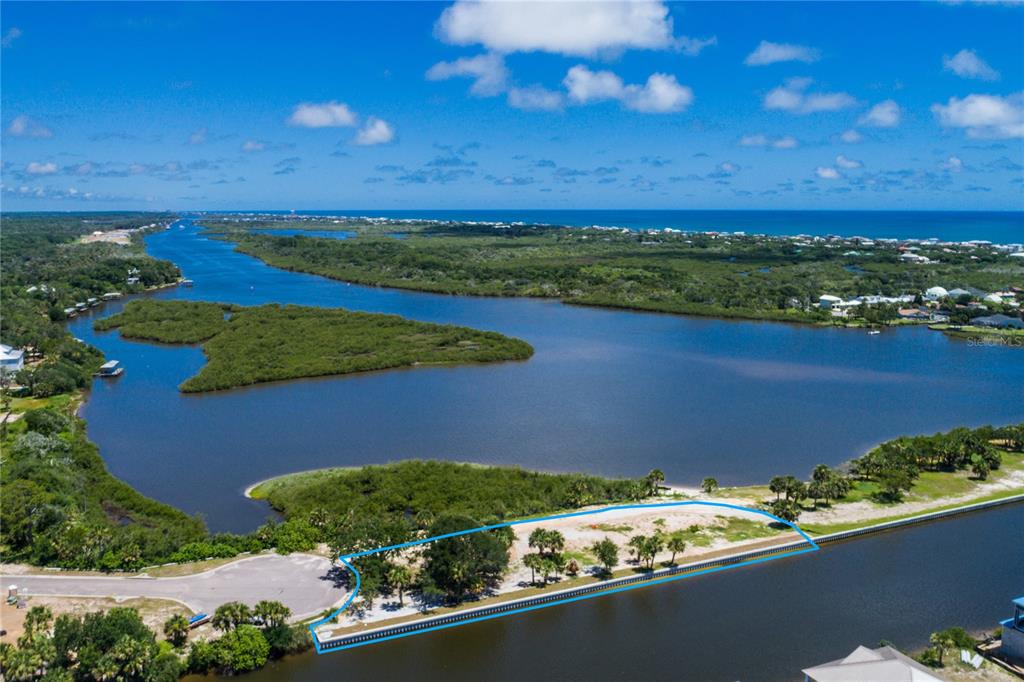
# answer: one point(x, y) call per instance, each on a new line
point(230, 615)
point(538, 538)
point(176, 629)
point(676, 545)
point(533, 562)
point(37, 620)
point(654, 479)
point(271, 613)
point(941, 641)
point(399, 578)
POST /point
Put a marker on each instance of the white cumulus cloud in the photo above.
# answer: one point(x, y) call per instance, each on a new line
point(851, 136)
point(323, 115)
point(569, 28)
point(759, 140)
point(535, 98)
point(771, 53)
point(826, 173)
point(661, 93)
point(692, 47)
point(967, 64)
point(953, 164)
point(23, 126)
point(792, 96)
point(487, 71)
point(984, 116)
point(848, 164)
point(253, 146)
point(36, 168)
point(885, 114)
point(375, 131)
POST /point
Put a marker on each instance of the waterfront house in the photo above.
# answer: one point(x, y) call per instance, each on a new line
point(914, 314)
point(828, 302)
point(1012, 647)
point(11, 359)
point(998, 322)
point(883, 664)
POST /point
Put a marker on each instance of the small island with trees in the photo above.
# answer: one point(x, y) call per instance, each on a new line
point(250, 345)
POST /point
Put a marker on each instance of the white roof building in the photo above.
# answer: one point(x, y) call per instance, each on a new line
point(935, 293)
point(11, 359)
point(883, 664)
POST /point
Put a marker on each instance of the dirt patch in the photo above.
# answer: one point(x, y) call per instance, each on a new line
point(153, 611)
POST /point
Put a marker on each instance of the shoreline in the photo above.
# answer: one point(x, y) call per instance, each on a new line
point(284, 216)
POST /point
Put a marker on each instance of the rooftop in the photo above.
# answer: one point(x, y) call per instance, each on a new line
point(883, 664)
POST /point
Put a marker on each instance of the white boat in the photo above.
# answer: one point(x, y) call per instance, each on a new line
point(110, 369)
point(874, 332)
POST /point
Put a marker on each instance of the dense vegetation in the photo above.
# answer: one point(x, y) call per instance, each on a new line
point(270, 343)
point(896, 464)
point(428, 489)
point(44, 270)
point(378, 506)
point(890, 470)
point(719, 275)
point(117, 645)
point(61, 507)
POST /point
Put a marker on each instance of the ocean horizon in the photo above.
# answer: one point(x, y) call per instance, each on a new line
point(1003, 227)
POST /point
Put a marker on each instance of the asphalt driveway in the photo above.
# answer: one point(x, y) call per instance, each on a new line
point(304, 583)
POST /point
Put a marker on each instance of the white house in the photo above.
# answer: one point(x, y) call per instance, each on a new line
point(935, 293)
point(883, 664)
point(828, 302)
point(11, 359)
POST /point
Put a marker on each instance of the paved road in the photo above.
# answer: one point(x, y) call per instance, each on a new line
point(306, 584)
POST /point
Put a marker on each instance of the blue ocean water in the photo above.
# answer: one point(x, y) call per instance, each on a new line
point(1004, 227)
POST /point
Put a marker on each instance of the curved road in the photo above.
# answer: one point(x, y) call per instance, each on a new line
point(304, 583)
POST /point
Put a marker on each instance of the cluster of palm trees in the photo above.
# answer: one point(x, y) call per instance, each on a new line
point(548, 559)
point(646, 547)
point(266, 614)
point(826, 484)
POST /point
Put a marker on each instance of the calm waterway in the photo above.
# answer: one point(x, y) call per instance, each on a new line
point(608, 392)
point(763, 622)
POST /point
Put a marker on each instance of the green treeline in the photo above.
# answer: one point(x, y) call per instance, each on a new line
point(61, 507)
point(252, 345)
point(421, 490)
point(724, 275)
point(44, 271)
point(118, 645)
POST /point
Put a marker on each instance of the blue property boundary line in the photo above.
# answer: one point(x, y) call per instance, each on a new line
point(345, 560)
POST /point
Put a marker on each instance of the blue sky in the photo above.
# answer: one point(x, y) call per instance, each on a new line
point(504, 105)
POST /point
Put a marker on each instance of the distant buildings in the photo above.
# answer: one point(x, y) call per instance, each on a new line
point(883, 664)
point(998, 322)
point(11, 359)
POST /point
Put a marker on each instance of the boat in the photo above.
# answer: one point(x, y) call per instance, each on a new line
point(187, 282)
point(110, 369)
point(874, 332)
point(198, 619)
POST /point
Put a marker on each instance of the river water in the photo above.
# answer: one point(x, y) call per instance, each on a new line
point(607, 392)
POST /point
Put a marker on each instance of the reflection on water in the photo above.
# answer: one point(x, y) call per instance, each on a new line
point(608, 392)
